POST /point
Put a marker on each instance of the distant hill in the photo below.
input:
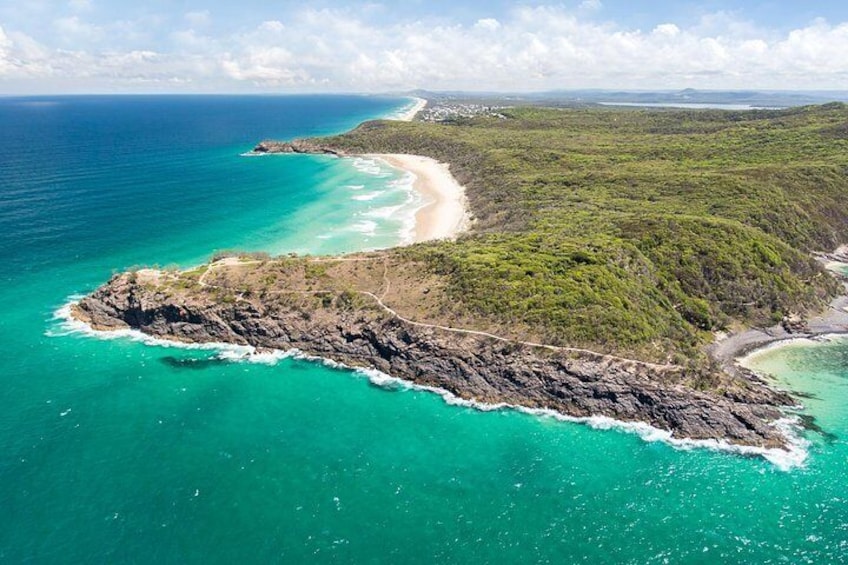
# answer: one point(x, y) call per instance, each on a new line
point(765, 99)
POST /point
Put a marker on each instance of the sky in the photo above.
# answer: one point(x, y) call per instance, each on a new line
point(283, 46)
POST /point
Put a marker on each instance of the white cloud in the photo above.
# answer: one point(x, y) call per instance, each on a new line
point(198, 18)
point(5, 47)
point(489, 24)
point(272, 26)
point(272, 66)
point(532, 48)
point(667, 30)
point(591, 5)
point(74, 30)
point(21, 56)
point(81, 5)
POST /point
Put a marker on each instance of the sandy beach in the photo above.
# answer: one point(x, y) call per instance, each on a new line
point(410, 114)
point(731, 349)
point(444, 213)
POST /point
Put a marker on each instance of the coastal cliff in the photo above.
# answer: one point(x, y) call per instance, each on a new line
point(470, 366)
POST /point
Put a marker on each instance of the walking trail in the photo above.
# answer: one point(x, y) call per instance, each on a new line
point(234, 261)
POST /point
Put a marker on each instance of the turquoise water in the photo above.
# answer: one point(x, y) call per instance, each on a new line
point(118, 451)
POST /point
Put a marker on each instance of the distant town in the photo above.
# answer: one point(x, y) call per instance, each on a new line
point(448, 111)
point(454, 106)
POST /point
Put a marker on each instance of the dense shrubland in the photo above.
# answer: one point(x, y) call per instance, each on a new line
point(630, 230)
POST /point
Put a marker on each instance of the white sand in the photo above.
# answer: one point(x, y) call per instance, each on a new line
point(410, 114)
point(444, 213)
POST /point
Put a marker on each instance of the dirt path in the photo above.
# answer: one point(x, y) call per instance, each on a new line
point(232, 261)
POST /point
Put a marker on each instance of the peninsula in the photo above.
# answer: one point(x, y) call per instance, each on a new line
point(608, 249)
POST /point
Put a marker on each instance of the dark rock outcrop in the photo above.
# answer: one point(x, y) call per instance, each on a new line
point(469, 366)
point(795, 324)
point(296, 146)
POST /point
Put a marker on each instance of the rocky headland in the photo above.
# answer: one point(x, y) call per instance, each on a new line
point(599, 270)
point(473, 367)
point(297, 146)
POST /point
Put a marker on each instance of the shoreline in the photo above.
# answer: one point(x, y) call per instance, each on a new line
point(409, 115)
point(785, 458)
point(444, 212)
point(732, 350)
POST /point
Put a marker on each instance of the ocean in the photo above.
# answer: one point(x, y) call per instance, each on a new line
point(120, 450)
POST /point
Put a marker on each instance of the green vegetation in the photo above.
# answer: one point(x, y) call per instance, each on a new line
point(243, 255)
point(634, 231)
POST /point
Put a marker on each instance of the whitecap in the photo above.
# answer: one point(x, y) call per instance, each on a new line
point(368, 166)
point(383, 213)
point(368, 197)
point(366, 227)
point(406, 182)
point(408, 211)
point(271, 357)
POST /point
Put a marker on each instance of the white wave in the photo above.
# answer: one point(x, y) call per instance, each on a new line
point(271, 357)
point(407, 230)
point(408, 211)
point(408, 112)
point(368, 166)
point(68, 325)
point(355, 186)
point(406, 182)
point(784, 459)
point(368, 197)
point(224, 351)
point(403, 213)
point(366, 227)
point(383, 213)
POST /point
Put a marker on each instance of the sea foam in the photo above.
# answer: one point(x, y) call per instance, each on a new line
point(784, 459)
point(66, 325)
point(383, 213)
point(368, 196)
point(365, 227)
point(369, 166)
point(793, 457)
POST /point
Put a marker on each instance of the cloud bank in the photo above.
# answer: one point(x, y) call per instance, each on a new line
point(536, 48)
